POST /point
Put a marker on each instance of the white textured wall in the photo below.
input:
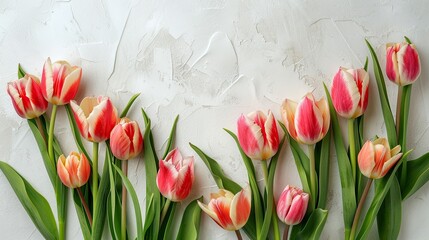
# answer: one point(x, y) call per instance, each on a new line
point(208, 61)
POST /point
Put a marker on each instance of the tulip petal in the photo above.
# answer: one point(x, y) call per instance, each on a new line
point(184, 181)
point(308, 121)
point(120, 143)
point(166, 178)
point(47, 80)
point(272, 137)
point(102, 120)
point(408, 64)
point(390, 163)
point(392, 71)
point(209, 212)
point(366, 159)
point(84, 170)
point(323, 106)
point(63, 174)
point(70, 85)
point(250, 137)
point(240, 207)
point(345, 93)
point(221, 207)
point(297, 210)
point(81, 121)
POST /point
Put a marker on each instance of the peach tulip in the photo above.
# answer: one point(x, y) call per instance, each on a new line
point(126, 140)
point(74, 170)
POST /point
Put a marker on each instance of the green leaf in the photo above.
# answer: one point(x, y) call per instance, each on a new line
point(76, 133)
point(418, 175)
point(171, 138)
point(346, 176)
point(224, 182)
point(152, 221)
point(33, 202)
point(190, 224)
point(99, 214)
point(137, 210)
point(167, 227)
point(389, 215)
point(129, 104)
point(365, 66)
point(314, 225)
point(257, 208)
point(323, 171)
point(113, 202)
point(384, 99)
point(21, 72)
point(383, 186)
point(81, 215)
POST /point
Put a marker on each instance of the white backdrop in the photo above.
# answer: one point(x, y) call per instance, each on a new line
point(208, 61)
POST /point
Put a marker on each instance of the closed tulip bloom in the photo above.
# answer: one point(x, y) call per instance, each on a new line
point(307, 121)
point(175, 176)
point(349, 92)
point(126, 140)
point(258, 135)
point(402, 63)
point(292, 205)
point(60, 81)
point(229, 211)
point(376, 158)
point(95, 117)
point(27, 98)
point(74, 170)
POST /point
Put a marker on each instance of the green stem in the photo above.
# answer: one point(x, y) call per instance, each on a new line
point(85, 205)
point(351, 125)
point(286, 232)
point(239, 237)
point(359, 209)
point(275, 222)
point(313, 176)
point(124, 202)
point(51, 134)
point(398, 109)
point(165, 210)
point(41, 128)
point(265, 172)
point(269, 189)
point(94, 174)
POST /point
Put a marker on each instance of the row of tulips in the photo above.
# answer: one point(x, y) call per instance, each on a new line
point(259, 138)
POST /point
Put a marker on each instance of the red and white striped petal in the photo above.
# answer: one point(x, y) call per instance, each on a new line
point(392, 69)
point(308, 121)
point(166, 179)
point(221, 207)
point(80, 118)
point(47, 80)
point(240, 207)
point(298, 209)
point(323, 107)
point(250, 137)
point(408, 64)
point(390, 163)
point(71, 85)
point(184, 181)
point(102, 120)
point(345, 93)
point(288, 110)
point(272, 137)
point(120, 143)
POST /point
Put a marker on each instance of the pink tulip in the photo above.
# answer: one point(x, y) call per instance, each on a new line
point(376, 158)
point(27, 98)
point(95, 117)
point(258, 135)
point(175, 176)
point(229, 211)
point(292, 205)
point(308, 121)
point(74, 170)
point(402, 63)
point(60, 81)
point(349, 92)
point(126, 140)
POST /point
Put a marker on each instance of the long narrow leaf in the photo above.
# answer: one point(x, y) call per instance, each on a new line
point(76, 133)
point(81, 215)
point(171, 138)
point(390, 212)
point(129, 104)
point(190, 224)
point(314, 226)
point(99, 214)
point(168, 225)
point(33, 202)
point(21, 72)
point(418, 175)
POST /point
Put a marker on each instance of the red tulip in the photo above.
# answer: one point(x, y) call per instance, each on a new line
point(74, 170)
point(126, 141)
point(376, 158)
point(349, 92)
point(292, 205)
point(258, 135)
point(95, 117)
point(229, 211)
point(27, 98)
point(175, 176)
point(60, 81)
point(308, 121)
point(402, 63)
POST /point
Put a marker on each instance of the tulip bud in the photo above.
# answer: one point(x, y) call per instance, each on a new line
point(349, 92)
point(95, 117)
point(74, 170)
point(27, 98)
point(308, 121)
point(376, 158)
point(402, 63)
point(258, 135)
point(126, 141)
point(60, 81)
point(292, 205)
point(229, 211)
point(175, 176)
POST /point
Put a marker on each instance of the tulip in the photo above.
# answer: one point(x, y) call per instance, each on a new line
point(95, 117)
point(228, 210)
point(175, 176)
point(126, 140)
point(376, 158)
point(60, 81)
point(258, 135)
point(27, 98)
point(74, 170)
point(402, 63)
point(292, 205)
point(349, 92)
point(308, 121)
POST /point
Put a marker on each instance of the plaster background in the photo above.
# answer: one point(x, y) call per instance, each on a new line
point(208, 61)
